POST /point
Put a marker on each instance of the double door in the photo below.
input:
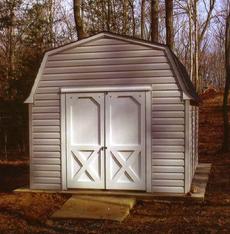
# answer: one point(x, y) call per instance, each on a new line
point(106, 140)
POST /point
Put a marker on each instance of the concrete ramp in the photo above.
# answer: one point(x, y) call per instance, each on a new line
point(93, 207)
point(200, 180)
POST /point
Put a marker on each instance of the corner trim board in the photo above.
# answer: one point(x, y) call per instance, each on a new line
point(30, 142)
point(187, 174)
point(148, 130)
point(63, 142)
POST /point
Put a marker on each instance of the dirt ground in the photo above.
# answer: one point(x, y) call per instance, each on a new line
point(30, 212)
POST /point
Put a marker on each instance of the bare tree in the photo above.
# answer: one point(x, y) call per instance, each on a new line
point(78, 18)
point(131, 4)
point(196, 48)
point(189, 7)
point(199, 36)
point(204, 25)
point(227, 85)
point(154, 20)
point(142, 18)
point(108, 15)
point(169, 23)
point(125, 17)
point(11, 36)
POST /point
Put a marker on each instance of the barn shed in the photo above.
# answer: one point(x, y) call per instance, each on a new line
point(113, 113)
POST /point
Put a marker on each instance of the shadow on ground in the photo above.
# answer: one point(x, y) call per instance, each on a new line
point(13, 175)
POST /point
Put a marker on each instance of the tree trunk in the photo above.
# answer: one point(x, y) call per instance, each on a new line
point(78, 18)
point(169, 23)
point(154, 20)
point(142, 18)
point(190, 39)
point(125, 17)
point(131, 4)
point(227, 85)
point(199, 36)
point(51, 5)
point(11, 38)
point(108, 15)
point(196, 49)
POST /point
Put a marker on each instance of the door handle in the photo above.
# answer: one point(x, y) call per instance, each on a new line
point(102, 148)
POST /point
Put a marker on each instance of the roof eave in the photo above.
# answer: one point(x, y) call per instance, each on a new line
point(188, 92)
point(30, 99)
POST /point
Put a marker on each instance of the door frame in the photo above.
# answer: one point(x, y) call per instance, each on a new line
point(112, 88)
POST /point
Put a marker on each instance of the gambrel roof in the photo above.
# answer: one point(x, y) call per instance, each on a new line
point(179, 70)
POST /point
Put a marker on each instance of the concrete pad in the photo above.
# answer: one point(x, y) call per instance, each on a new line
point(130, 202)
point(91, 207)
point(200, 180)
point(140, 195)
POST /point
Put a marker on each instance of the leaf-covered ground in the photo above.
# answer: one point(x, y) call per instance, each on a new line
point(30, 212)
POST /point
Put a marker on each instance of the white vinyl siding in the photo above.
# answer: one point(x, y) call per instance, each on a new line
point(192, 144)
point(167, 139)
point(110, 62)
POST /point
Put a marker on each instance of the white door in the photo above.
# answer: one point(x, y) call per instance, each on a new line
point(114, 121)
point(125, 140)
point(85, 140)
